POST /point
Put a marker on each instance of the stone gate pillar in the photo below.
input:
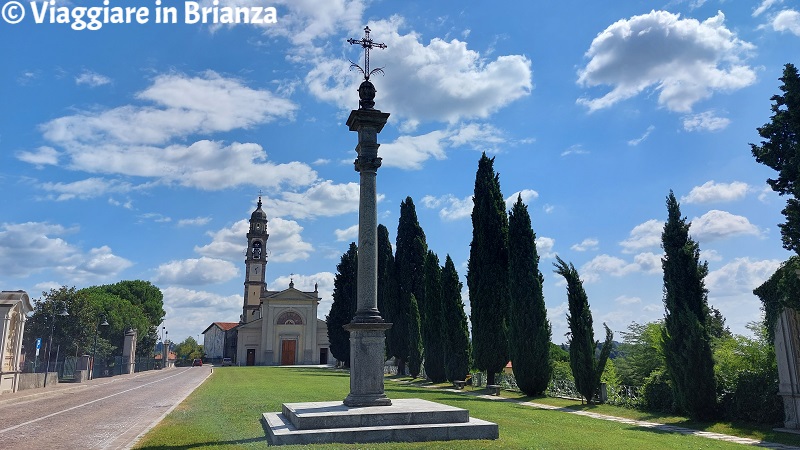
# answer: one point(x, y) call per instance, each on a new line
point(129, 352)
point(787, 353)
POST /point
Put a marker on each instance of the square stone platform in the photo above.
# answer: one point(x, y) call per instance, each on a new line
point(406, 420)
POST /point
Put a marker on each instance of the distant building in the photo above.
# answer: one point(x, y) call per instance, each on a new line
point(219, 341)
point(276, 327)
point(14, 309)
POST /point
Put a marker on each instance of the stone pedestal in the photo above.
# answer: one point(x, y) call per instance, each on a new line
point(366, 364)
point(129, 352)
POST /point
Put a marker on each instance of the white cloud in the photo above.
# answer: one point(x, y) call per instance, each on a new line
point(196, 271)
point(303, 22)
point(576, 149)
point(323, 199)
point(285, 242)
point(452, 207)
point(184, 105)
point(705, 121)
point(31, 247)
point(717, 224)
point(640, 139)
point(711, 192)
point(91, 79)
point(190, 311)
point(601, 264)
point(707, 254)
point(349, 234)
point(643, 236)
point(137, 140)
point(626, 300)
point(787, 20)
point(83, 189)
point(765, 5)
point(694, 59)
point(544, 247)
point(196, 222)
point(648, 262)
point(410, 152)
point(441, 81)
point(527, 195)
point(740, 276)
point(42, 156)
point(586, 244)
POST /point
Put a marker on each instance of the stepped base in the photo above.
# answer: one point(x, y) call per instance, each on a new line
point(406, 420)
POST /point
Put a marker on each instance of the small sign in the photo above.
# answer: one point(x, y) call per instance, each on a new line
point(38, 343)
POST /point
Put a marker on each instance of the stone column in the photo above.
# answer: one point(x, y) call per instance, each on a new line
point(367, 330)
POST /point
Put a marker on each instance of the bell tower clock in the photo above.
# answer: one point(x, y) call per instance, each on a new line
point(255, 263)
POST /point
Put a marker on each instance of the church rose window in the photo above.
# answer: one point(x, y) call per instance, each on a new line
point(290, 318)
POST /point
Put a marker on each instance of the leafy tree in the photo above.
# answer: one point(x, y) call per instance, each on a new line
point(780, 150)
point(487, 272)
point(433, 330)
point(529, 330)
point(409, 263)
point(457, 351)
point(387, 284)
point(716, 325)
point(189, 349)
point(687, 345)
point(344, 304)
point(586, 368)
point(641, 353)
point(150, 301)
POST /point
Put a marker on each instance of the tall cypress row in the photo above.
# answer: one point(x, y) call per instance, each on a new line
point(586, 368)
point(457, 348)
point(433, 326)
point(687, 347)
point(344, 304)
point(410, 275)
point(487, 272)
point(529, 331)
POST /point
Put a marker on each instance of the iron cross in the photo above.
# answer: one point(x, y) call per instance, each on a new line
point(368, 44)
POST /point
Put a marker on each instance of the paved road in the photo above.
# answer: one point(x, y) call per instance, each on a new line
point(106, 413)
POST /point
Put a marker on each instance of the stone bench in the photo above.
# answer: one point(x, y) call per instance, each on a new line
point(459, 384)
point(494, 389)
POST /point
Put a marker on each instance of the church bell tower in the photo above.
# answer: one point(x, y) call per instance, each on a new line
point(255, 263)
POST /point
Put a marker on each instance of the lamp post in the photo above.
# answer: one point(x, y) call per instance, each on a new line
point(63, 313)
point(94, 348)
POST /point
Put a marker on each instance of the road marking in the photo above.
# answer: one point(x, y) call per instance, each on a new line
point(5, 430)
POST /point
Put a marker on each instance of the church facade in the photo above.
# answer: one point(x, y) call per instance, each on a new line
point(277, 327)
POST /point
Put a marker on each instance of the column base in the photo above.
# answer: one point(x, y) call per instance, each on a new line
point(367, 341)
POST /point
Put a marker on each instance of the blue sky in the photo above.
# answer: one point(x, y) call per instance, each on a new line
point(137, 151)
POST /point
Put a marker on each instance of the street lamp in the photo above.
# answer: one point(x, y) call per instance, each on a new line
point(94, 349)
point(63, 313)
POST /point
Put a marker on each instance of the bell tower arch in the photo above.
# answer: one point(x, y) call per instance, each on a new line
point(255, 264)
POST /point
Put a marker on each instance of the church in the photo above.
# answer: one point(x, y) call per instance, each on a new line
point(276, 327)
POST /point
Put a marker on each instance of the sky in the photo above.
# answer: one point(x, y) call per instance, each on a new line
point(131, 149)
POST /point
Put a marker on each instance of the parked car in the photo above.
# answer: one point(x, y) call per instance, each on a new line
point(227, 362)
point(197, 362)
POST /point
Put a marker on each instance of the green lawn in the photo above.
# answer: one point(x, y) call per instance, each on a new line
point(225, 413)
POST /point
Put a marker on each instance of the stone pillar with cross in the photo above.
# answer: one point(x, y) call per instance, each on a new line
point(367, 329)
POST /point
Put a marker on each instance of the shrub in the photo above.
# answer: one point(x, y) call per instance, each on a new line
point(657, 393)
point(754, 399)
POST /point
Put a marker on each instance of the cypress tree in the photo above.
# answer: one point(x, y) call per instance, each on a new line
point(344, 305)
point(586, 368)
point(387, 285)
point(414, 338)
point(687, 345)
point(487, 272)
point(433, 326)
point(529, 330)
point(780, 150)
point(457, 351)
point(410, 275)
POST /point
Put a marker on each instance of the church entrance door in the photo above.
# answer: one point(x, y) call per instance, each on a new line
point(288, 349)
point(251, 357)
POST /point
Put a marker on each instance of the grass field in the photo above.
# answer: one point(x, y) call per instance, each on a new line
point(225, 413)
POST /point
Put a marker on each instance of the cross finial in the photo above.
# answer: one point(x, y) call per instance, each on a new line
point(367, 44)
